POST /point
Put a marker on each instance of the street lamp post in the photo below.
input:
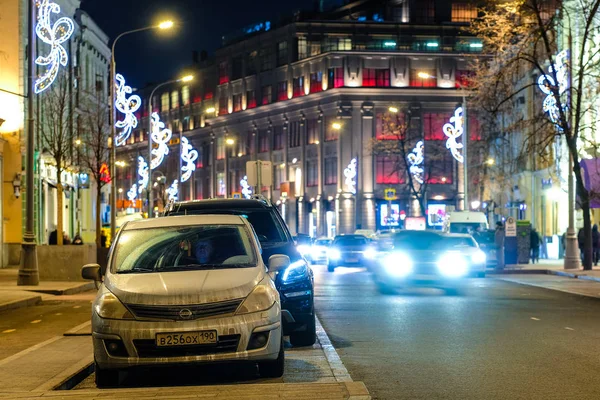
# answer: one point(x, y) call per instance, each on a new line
point(187, 78)
point(112, 118)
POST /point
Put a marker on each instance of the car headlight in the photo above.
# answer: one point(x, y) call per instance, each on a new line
point(303, 249)
point(453, 265)
point(108, 306)
point(398, 264)
point(370, 253)
point(479, 257)
point(262, 298)
point(334, 254)
point(296, 271)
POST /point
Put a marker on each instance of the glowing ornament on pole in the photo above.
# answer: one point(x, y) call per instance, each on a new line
point(172, 190)
point(546, 83)
point(161, 136)
point(143, 173)
point(350, 174)
point(54, 35)
point(453, 130)
point(126, 106)
point(133, 192)
point(415, 159)
point(246, 189)
point(188, 156)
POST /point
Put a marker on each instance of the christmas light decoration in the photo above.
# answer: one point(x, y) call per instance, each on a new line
point(546, 84)
point(453, 130)
point(161, 136)
point(350, 174)
point(246, 189)
point(126, 106)
point(133, 192)
point(172, 190)
point(143, 173)
point(54, 35)
point(188, 156)
point(416, 159)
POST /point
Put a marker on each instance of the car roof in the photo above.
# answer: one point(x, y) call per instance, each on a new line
point(188, 220)
point(458, 235)
point(218, 204)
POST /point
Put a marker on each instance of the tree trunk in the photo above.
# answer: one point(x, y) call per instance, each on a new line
point(59, 212)
point(98, 219)
point(584, 199)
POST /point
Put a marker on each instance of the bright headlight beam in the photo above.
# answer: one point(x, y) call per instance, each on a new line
point(479, 257)
point(453, 265)
point(398, 264)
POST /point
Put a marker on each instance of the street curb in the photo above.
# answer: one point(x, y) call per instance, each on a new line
point(84, 287)
point(69, 378)
point(517, 271)
point(340, 372)
point(573, 275)
point(16, 304)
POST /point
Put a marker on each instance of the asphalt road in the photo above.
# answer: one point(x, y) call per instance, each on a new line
point(497, 340)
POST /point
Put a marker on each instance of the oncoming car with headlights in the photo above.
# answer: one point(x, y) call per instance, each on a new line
point(428, 258)
point(350, 250)
point(185, 290)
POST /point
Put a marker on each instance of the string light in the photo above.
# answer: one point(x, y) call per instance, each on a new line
point(416, 159)
point(54, 35)
point(143, 173)
point(546, 84)
point(126, 106)
point(133, 192)
point(350, 174)
point(453, 130)
point(246, 189)
point(188, 156)
point(172, 190)
point(161, 136)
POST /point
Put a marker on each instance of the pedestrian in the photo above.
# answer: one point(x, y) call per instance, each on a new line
point(103, 239)
point(581, 242)
point(77, 240)
point(499, 242)
point(596, 243)
point(564, 245)
point(53, 239)
point(535, 241)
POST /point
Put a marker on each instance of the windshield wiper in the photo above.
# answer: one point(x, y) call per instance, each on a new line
point(136, 270)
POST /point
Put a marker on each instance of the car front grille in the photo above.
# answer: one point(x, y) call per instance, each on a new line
point(146, 348)
point(184, 312)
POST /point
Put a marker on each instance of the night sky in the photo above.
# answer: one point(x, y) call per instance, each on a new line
point(152, 57)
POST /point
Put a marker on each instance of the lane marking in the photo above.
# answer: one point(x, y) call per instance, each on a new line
point(29, 350)
point(535, 319)
point(569, 329)
point(9, 331)
point(37, 321)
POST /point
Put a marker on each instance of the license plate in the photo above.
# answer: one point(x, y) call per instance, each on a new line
point(186, 338)
point(351, 260)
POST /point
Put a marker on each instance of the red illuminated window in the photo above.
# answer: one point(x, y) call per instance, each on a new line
point(299, 86)
point(223, 73)
point(251, 99)
point(368, 77)
point(390, 126)
point(376, 77)
point(223, 105)
point(336, 77)
point(433, 124)
point(439, 171)
point(316, 82)
point(267, 94)
point(208, 95)
point(423, 78)
point(388, 170)
point(237, 102)
point(282, 91)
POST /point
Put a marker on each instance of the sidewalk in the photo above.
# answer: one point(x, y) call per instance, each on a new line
point(550, 267)
point(13, 296)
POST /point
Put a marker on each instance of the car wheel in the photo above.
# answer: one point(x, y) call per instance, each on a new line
point(331, 267)
point(307, 337)
point(273, 369)
point(106, 378)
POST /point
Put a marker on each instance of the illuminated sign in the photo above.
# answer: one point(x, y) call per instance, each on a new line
point(104, 173)
point(453, 130)
point(436, 214)
point(126, 106)
point(389, 216)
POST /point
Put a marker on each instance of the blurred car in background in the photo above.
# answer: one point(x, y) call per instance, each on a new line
point(318, 251)
point(303, 244)
point(487, 243)
point(350, 250)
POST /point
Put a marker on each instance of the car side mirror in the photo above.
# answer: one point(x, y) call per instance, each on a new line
point(91, 272)
point(278, 262)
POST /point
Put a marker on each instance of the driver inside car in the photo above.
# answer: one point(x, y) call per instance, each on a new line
point(198, 251)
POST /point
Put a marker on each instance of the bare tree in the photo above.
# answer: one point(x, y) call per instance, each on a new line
point(529, 37)
point(94, 148)
point(56, 136)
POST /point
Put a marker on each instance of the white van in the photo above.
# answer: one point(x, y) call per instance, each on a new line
point(465, 222)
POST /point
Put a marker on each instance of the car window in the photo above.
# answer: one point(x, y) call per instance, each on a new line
point(458, 242)
point(350, 241)
point(465, 227)
point(323, 242)
point(417, 241)
point(487, 237)
point(184, 248)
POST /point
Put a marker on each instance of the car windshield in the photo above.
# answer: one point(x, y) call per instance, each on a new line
point(466, 227)
point(169, 249)
point(486, 237)
point(350, 241)
point(458, 242)
point(417, 241)
point(322, 242)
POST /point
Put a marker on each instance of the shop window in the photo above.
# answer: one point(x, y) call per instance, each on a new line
point(331, 171)
point(388, 170)
point(267, 94)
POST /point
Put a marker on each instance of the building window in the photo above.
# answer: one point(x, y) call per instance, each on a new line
point(298, 86)
point(433, 124)
point(164, 102)
point(337, 44)
point(388, 170)
point(220, 184)
point(294, 134)
point(220, 148)
point(464, 78)
point(390, 126)
point(263, 141)
point(223, 105)
point(316, 82)
point(266, 60)
point(251, 63)
point(278, 176)
point(336, 77)
point(417, 81)
point(282, 93)
point(401, 13)
point(315, 48)
point(267, 94)
point(185, 95)
point(312, 173)
point(425, 12)
point(249, 147)
point(282, 53)
point(251, 99)
point(376, 77)
point(237, 102)
point(331, 170)
point(237, 67)
point(223, 73)
point(440, 170)
point(330, 133)
point(312, 131)
point(463, 12)
point(302, 48)
point(278, 138)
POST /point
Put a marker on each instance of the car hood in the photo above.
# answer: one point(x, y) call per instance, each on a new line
point(184, 287)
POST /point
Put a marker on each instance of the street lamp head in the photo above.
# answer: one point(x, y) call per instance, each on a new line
point(475, 204)
point(393, 110)
point(78, 142)
point(337, 126)
point(229, 142)
point(490, 161)
point(166, 25)
point(210, 110)
point(120, 190)
point(424, 75)
point(187, 78)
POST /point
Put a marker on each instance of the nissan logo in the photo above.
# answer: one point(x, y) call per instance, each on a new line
point(185, 314)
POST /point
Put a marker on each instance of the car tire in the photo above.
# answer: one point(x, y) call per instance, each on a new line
point(106, 378)
point(331, 267)
point(307, 337)
point(275, 368)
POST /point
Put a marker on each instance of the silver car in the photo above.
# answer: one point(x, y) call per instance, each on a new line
point(183, 290)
